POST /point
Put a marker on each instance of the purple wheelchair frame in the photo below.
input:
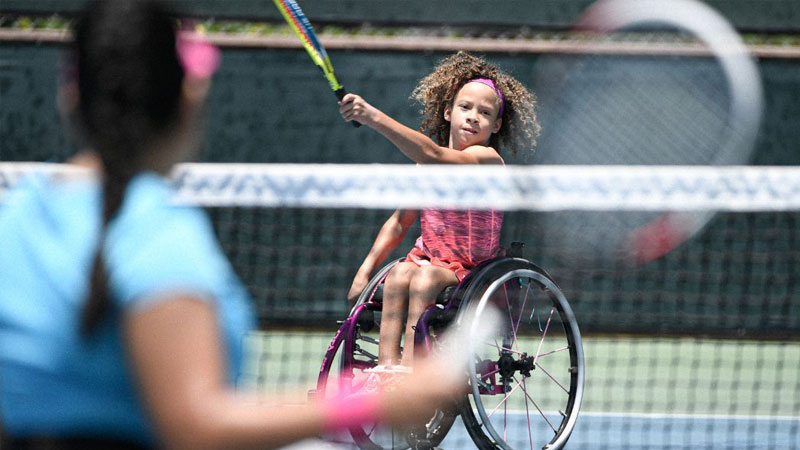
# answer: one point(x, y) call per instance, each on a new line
point(442, 312)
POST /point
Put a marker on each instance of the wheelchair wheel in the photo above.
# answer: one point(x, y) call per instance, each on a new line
point(355, 349)
point(527, 382)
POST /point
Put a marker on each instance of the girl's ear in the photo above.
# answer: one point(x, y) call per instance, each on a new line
point(497, 124)
point(447, 111)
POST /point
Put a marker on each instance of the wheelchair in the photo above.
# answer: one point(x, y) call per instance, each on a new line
point(525, 384)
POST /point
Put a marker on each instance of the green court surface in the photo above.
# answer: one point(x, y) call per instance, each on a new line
point(632, 375)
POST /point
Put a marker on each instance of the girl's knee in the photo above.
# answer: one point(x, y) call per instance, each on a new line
point(400, 276)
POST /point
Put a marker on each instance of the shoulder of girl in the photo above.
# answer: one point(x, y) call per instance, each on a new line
point(490, 154)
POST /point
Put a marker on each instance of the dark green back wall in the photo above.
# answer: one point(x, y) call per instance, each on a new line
point(738, 276)
point(273, 105)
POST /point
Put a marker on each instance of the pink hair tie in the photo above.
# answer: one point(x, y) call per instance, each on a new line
point(199, 58)
point(494, 87)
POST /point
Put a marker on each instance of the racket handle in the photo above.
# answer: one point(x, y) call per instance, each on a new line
point(340, 93)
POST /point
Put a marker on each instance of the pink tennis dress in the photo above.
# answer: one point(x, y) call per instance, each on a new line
point(457, 240)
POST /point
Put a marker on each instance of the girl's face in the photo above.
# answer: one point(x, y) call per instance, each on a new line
point(473, 116)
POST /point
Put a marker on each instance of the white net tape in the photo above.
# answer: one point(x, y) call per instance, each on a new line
point(531, 188)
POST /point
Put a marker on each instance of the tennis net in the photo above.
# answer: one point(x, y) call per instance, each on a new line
point(684, 280)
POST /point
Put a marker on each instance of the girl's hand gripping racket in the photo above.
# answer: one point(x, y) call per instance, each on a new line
point(302, 27)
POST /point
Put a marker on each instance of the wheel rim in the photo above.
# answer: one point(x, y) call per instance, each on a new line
point(369, 436)
point(527, 384)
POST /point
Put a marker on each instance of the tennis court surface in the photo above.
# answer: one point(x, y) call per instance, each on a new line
point(696, 349)
point(641, 392)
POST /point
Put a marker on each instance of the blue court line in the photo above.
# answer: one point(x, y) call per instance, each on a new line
point(601, 431)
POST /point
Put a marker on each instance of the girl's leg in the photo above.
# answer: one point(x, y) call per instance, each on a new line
point(425, 285)
point(395, 305)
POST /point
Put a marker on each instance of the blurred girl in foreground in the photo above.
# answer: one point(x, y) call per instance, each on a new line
point(121, 321)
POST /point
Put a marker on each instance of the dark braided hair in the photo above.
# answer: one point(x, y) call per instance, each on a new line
point(129, 83)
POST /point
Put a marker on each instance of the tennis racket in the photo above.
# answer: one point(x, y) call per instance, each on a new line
point(700, 105)
point(295, 17)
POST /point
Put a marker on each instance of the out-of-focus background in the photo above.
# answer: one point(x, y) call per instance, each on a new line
point(698, 348)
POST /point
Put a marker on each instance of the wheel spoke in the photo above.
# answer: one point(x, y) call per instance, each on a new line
point(506, 349)
point(485, 375)
point(527, 414)
point(552, 377)
point(505, 421)
point(544, 335)
point(540, 411)
point(566, 347)
point(521, 310)
point(503, 401)
point(510, 318)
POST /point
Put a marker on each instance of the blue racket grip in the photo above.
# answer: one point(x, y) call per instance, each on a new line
point(340, 93)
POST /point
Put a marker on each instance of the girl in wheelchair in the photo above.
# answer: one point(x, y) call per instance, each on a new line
point(471, 109)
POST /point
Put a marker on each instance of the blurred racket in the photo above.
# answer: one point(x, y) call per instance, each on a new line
point(692, 99)
point(295, 17)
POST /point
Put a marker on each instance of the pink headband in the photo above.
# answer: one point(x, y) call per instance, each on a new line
point(491, 84)
point(199, 58)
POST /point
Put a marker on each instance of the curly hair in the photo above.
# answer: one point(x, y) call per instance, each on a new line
point(438, 90)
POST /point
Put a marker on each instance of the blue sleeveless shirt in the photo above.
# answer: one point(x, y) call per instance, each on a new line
point(53, 381)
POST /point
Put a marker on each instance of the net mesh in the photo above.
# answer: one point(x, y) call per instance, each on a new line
point(698, 348)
